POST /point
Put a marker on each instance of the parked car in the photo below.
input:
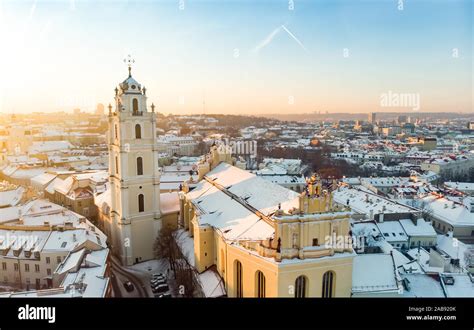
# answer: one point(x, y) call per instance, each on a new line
point(163, 295)
point(158, 275)
point(128, 286)
point(161, 288)
point(157, 284)
point(158, 280)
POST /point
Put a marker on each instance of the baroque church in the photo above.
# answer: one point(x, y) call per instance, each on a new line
point(262, 240)
point(265, 240)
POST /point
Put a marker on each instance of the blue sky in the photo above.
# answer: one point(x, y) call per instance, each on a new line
point(236, 55)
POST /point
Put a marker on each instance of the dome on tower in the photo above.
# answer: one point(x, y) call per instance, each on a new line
point(130, 85)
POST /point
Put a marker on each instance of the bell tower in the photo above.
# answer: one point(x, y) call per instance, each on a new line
point(134, 174)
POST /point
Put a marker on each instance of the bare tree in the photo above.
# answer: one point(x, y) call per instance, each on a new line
point(165, 247)
point(186, 282)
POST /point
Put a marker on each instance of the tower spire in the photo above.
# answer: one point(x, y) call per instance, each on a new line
point(129, 61)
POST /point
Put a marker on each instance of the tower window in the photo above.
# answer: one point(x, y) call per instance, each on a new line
point(116, 165)
point(300, 285)
point(116, 131)
point(135, 105)
point(141, 203)
point(328, 285)
point(260, 284)
point(138, 131)
point(238, 279)
point(139, 166)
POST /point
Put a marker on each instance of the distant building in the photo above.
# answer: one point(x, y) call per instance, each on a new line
point(39, 240)
point(402, 119)
point(100, 109)
point(449, 167)
point(372, 117)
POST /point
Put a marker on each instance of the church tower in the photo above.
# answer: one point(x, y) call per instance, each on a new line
point(134, 175)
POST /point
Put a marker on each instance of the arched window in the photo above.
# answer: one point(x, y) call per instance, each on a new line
point(116, 131)
point(139, 166)
point(141, 203)
point(138, 131)
point(135, 105)
point(116, 165)
point(260, 283)
point(238, 279)
point(328, 285)
point(300, 287)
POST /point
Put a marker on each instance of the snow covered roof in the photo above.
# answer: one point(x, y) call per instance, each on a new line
point(11, 197)
point(363, 202)
point(454, 248)
point(449, 211)
point(89, 280)
point(392, 231)
point(28, 173)
point(43, 179)
point(461, 186)
point(398, 258)
point(104, 200)
point(228, 203)
point(257, 192)
point(217, 209)
point(71, 262)
point(462, 286)
point(373, 273)
point(211, 283)
point(186, 244)
point(47, 146)
point(169, 203)
point(422, 285)
point(419, 228)
point(285, 179)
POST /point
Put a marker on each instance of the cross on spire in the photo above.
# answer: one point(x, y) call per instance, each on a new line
point(129, 61)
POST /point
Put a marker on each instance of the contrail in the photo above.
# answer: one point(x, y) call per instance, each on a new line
point(293, 36)
point(272, 35)
point(33, 9)
point(267, 40)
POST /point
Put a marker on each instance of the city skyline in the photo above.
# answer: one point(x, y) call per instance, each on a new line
point(238, 57)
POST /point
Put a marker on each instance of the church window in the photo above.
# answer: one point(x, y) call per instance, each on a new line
point(135, 105)
point(300, 285)
point(116, 131)
point(138, 131)
point(328, 285)
point(260, 281)
point(139, 166)
point(238, 279)
point(116, 165)
point(141, 203)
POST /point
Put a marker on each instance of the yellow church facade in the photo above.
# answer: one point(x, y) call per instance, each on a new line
point(265, 240)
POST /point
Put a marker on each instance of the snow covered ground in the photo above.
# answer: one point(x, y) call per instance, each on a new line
point(145, 269)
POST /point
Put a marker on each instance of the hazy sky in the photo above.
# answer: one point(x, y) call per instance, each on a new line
point(239, 56)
